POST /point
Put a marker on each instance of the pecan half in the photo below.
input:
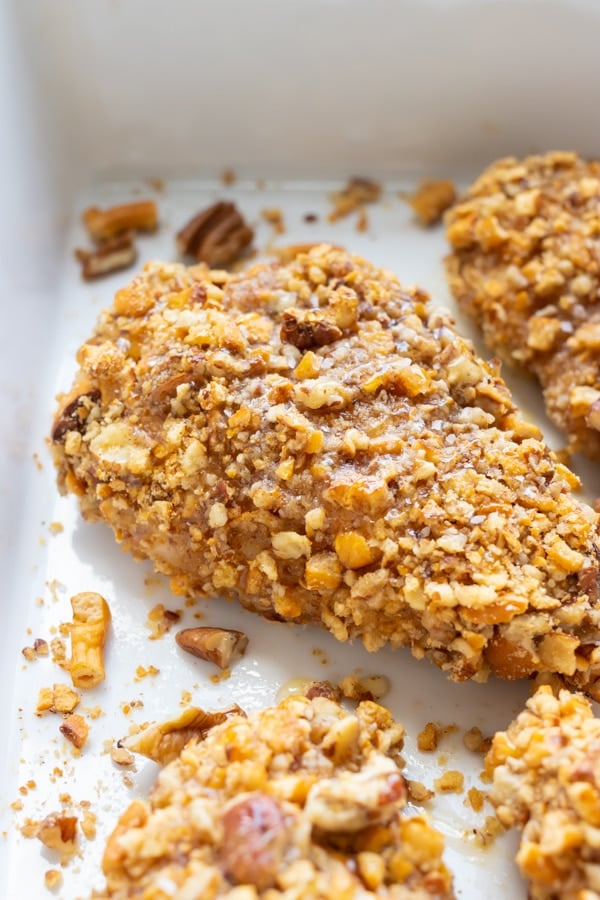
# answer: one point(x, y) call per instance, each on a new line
point(308, 330)
point(106, 224)
point(216, 236)
point(111, 256)
point(255, 835)
point(221, 646)
point(72, 416)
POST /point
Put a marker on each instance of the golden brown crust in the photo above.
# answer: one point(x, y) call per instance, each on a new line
point(382, 485)
point(298, 802)
point(526, 266)
point(546, 770)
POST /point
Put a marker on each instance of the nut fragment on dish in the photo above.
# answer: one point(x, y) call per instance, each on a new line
point(380, 484)
point(300, 800)
point(162, 742)
point(431, 200)
point(111, 256)
point(546, 781)
point(217, 235)
point(357, 192)
point(526, 239)
point(221, 646)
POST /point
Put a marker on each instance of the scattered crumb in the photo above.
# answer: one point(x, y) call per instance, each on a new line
point(186, 698)
point(88, 824)
point(223, 675)
point(93, 712)
point(430, 200)
point(53, 879)
point(362, 222)
point(157, 184)
point(144, 672)
point(417, 792)
point(488, 832)
point(160, 620)
point(364, 687)
point(16, 805)
point(38, 463)
point(29, 828)
point(60, 698)
point(58, 650)
point(228, 177)
point(56, 527)
point(357, 192)
point(474, 741)
point(475, 798)
point(428, 738)
point(274, 216)
point(40, 647)
point(29, 653)
point(310, 218)
point(121, 756)
point(451, 781)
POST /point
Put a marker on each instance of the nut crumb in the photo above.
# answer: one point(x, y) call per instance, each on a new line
point(418, 792)
point(474, 741)
point(428, 738)
point(145, 671)
point(228, 177)
point(364, 687)
point(357, 192)
point(274, 216)
point(431, 200)
point(121, 756)
point(488, 832)
point(451, 781)
point(475, 798)
point(88, 825)
point(59, 699)
point(160, 620)
point(52, 879)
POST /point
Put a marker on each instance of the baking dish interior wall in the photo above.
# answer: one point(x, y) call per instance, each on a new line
point(313, 87)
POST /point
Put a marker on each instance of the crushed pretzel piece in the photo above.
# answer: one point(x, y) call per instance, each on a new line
point(104, 225)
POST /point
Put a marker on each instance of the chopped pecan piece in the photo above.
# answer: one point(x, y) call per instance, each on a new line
point(59, 832)
point(322, 689)
point(110, 256)
point(73, 414)
point(106, 224)
point(75, 729)
point(308, 330)
point(221, 646)
point(254, 840)
point(165, 741)
point(216, 236)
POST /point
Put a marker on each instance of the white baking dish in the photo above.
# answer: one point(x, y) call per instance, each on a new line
point(94, 98)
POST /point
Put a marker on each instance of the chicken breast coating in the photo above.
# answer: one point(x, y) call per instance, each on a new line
point(546, 781)
point(319, 442)
point(526, 265)
point(298, 802)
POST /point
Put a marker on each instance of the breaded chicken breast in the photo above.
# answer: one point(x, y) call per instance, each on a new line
point(546, 781)
point(525, 263)
point(317, 441)
point(298, 802)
